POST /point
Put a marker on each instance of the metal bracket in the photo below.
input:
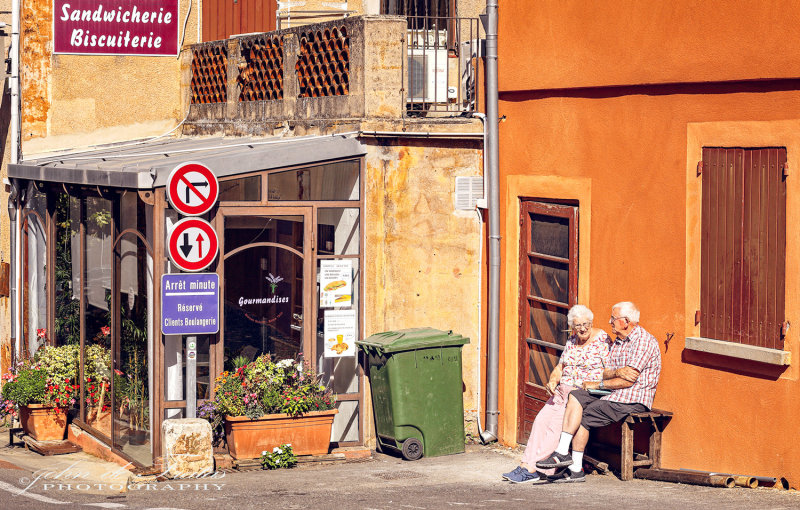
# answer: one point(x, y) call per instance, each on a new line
point(785, 169)
point(699, 168)
point(697, 316)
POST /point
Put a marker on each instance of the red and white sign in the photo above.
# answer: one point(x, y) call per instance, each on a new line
point(192, 189)
point(116, 27)
point(192, 244)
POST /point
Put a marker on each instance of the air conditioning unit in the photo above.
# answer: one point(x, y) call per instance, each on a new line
point(426, 38)
point(427, 75)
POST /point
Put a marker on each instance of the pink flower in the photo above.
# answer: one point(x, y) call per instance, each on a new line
point(118, 371)
point(106, 330)
point(41, 333)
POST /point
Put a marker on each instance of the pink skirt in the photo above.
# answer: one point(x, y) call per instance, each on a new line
point(546, 430)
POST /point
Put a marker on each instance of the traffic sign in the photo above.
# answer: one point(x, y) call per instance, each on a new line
point(192, 188)
point(190, 305)
point(192, 244)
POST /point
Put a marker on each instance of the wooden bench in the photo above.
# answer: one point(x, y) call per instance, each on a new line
point(624, 455)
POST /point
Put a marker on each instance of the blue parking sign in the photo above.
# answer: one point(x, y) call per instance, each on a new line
point(190, 304)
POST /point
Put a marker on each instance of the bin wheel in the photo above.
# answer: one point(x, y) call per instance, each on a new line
point(412, 449)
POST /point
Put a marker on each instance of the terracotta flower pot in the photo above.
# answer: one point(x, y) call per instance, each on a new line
point(309, 434)
point(43, 423)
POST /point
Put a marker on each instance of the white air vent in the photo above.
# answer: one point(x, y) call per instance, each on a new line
point(468, 191)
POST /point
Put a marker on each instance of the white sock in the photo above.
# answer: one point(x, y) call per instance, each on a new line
point(577, 462)
point(563, 443)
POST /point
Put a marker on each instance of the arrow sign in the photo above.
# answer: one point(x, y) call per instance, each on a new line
point(192, 244)
point(192, 188)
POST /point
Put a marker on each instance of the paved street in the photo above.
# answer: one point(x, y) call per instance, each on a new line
point(471, 480)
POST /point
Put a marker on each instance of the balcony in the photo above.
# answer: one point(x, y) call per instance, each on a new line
point(368, 68)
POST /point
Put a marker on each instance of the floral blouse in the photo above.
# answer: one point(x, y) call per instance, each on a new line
point(584, 363)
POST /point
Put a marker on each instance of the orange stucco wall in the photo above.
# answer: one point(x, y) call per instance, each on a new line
point(628, 153)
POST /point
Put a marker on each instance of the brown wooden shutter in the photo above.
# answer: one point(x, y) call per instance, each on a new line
point(743, 258)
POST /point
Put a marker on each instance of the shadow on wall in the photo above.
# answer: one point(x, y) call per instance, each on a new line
point(5, 117)
point(733, 365)
point(605, 92)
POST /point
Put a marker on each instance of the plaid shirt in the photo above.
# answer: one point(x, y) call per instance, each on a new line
point(640, 351)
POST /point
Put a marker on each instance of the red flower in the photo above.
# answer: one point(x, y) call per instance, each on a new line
point(105, 330)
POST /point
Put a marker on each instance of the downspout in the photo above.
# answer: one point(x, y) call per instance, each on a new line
point(16, 308)
point(491, 146)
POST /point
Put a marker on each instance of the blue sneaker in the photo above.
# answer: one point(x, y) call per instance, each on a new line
point(516, 471)
point(525, 476)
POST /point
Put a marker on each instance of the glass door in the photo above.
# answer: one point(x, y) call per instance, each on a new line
point(266, 288)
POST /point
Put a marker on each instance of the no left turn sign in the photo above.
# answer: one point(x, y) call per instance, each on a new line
point(192, 188)
point(192, 244)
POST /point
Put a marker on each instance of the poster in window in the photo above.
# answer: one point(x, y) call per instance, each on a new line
point(340, 333)
point(335, 283)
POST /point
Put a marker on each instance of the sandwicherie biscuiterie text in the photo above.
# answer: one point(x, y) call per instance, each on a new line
point(84, 38)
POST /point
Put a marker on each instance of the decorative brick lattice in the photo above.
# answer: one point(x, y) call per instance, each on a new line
point(210, 74)
point(323, 67)
point(261, 72)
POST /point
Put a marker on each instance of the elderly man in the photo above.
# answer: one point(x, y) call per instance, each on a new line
point(632, 377)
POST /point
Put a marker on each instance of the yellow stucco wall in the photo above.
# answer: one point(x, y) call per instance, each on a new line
point(74, 100)
point(422, 257)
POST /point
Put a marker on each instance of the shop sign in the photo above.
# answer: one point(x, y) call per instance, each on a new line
point(192, 244)
point(190, 304)
point(116, 27)
point(192, 189)
point(335, 283)
point(340, 333)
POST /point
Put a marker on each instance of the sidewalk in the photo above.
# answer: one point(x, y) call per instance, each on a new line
point(470, 480)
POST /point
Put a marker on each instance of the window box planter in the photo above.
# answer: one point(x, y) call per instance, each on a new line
point(309, 434)
point(42, 422)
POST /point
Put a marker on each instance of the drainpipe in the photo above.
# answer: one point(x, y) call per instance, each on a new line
point(15, 109)
point(16, 308)
point(491, 147)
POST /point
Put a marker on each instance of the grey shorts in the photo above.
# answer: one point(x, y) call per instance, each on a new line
point(598, 413)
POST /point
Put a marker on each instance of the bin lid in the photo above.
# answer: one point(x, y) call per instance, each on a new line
point(411, 339)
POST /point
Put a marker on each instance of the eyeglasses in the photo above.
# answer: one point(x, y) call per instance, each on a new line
point(585, 325)
point(613, 319)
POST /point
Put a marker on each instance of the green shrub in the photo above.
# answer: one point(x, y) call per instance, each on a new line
point(29, 387)
point(280, 457)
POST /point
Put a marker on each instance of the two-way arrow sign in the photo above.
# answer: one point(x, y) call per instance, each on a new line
point(192, 244)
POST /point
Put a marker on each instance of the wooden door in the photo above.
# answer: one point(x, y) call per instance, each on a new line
point(224, 18)
point(548, 288)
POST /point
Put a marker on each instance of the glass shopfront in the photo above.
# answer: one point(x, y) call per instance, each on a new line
point(94, 259)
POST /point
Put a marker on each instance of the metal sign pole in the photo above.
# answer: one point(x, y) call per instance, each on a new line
point(191, 376)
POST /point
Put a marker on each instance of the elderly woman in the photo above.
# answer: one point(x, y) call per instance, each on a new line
point(583, 359)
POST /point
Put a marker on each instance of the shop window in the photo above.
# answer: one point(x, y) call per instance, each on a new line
point(34, 273)
point(743, 259)
point(133, 352)
point(338, 231)
point(96, 252)
point(244, 189)
point(66, 329)
point(334, 181)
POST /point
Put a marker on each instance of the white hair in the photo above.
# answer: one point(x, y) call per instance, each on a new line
point(627, 310)
point(579, 312)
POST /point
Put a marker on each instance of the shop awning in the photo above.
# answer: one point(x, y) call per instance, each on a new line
point(147, 165)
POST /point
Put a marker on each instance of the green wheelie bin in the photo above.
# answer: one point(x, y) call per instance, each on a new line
point(415, 377)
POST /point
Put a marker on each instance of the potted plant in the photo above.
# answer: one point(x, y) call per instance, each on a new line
point(265, 404)
point(39, 392)
point(97, 374)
